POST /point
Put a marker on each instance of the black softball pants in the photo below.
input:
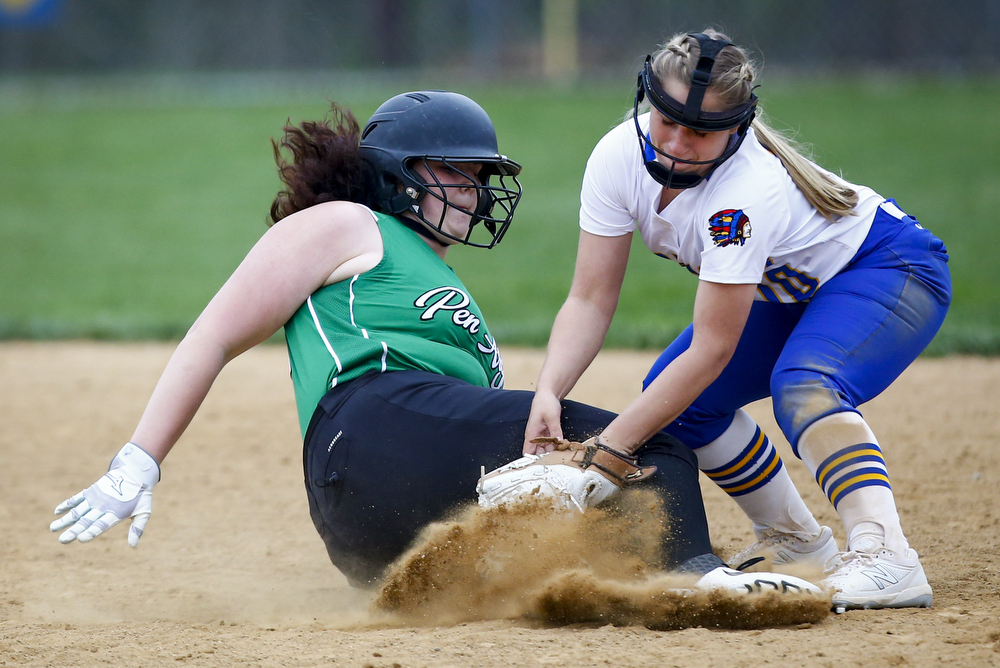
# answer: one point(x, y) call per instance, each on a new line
point(387, 454)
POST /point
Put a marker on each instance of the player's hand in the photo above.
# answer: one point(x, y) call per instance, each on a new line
point(543, 422)
point(126, 490)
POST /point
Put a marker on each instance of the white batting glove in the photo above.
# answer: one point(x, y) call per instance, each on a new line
point(126, 490)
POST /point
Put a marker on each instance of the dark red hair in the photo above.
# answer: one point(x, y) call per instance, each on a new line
point(324, 164)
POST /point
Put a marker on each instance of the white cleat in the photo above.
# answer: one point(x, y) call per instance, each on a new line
point(784, 548)
point(880, 579)
point(755, 583)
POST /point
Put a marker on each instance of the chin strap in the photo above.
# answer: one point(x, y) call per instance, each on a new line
point(396, 203)
point(419, 228)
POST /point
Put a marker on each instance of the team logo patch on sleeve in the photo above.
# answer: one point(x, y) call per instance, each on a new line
point(729, 226)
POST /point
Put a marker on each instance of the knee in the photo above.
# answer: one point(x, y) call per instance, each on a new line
point(802, 396)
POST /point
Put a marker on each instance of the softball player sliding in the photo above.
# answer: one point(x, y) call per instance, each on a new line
point(397, 379)
point(813, 291)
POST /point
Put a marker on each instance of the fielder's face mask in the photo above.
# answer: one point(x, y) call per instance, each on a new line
point(691, 116)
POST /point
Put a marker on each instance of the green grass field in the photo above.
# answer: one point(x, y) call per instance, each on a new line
point(121, 219)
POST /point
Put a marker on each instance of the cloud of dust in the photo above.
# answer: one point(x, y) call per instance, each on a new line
point(529, 560)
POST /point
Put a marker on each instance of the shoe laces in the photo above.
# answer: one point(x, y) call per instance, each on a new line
point(766, 539)
point(773, 539)
point(850, 562)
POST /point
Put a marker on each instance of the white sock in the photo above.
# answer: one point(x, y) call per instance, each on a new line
point(745, 465)
point(844, 457)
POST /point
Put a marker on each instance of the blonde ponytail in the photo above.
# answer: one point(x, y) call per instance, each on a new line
point(832, 197)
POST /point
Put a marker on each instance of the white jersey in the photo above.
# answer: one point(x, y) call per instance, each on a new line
point(746, 223)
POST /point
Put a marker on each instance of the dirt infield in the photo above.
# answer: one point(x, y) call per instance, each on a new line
point(230, 571)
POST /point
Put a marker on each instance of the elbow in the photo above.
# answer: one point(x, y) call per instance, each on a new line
point(205, 342)
point(604, 301)
point(714, 356)
point(719, 360)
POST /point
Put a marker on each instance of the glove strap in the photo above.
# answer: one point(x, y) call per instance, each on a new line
point(629, 459)
point(618, 465)
point(139, 463)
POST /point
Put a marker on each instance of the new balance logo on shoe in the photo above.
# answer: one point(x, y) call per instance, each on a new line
point(883, 579)
point(881, 576)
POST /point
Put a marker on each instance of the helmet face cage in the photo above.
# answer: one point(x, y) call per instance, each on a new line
point(691, 116)
point(441, 128)
point(489, 197)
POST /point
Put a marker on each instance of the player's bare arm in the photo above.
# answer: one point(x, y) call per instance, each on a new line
point(315, 247)
point(720, 312)
point(579, 330)
point(262, 294)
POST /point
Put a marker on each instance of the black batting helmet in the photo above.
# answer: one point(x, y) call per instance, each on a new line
point(439, 126)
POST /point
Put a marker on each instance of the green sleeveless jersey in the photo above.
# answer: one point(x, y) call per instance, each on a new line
point(408, 312)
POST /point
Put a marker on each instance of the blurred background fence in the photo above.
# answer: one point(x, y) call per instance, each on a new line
point(485, 38)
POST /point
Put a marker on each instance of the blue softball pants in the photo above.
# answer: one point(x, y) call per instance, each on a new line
point(857, 334)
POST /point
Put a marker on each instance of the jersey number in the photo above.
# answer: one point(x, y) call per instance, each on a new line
point(798, 286)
